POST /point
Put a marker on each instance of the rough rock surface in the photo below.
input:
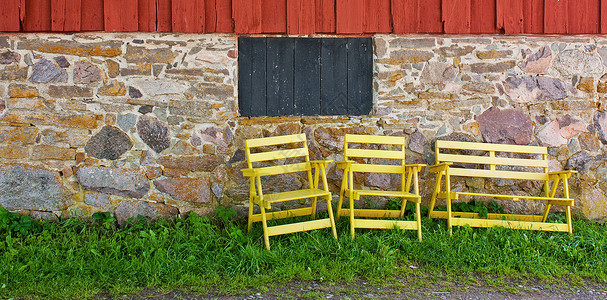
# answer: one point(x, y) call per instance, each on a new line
point(44, 71)
point(31, 187)
point(109, 143)
point(115, 181)
point(133, 209)
point(505, 126)
point(195, 190)
point(85, 72)
point(154, 133)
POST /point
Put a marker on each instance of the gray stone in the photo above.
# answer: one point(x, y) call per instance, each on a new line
point(133, 209)
point(152, 56)
point(4, 42)
point(24, 187)
point(282, 183)
point(156, 87)
point(44, 71)
point(126, 122)
point(454, 51)
point(98, 200)
point(538, 62)
point(437, 73)
point(154, 133)
point(481, 68)
point(238, 156)
point(109, 143)
point(145, 109)
point(378, 180)
point(417, 142)
point(44, 215)
point(62, 61)
point(217, 189)
point(2, 106)
point(85, 72)
point(600, 126)
point(583, 162)
point(13, 72)
point(576, 62)
point(68, 92)
point(413, 43)
point(507, 126)
point(196, 190)
point(115, 181)
point(134, 93)
point(161, 113)
point(9, 57)
point(410, 56)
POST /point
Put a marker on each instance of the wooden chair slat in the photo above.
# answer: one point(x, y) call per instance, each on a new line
point(279, 154)
point(373, 168)
point(486, 160)
point(275, 140)
point(367, 153)
point(491, 147)
point(374, 139)
point(497, 174)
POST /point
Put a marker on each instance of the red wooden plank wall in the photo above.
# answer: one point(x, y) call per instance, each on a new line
point(305, 17)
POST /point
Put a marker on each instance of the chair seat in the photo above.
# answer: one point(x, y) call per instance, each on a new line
point(357, 194)
point(294, 195)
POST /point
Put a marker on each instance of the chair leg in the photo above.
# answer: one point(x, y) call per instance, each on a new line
point(264, 222)
point(331, 216)
point(313, 215)
point(569, 222)
point(403, 207)
point(418, 214)
point(250, 222)
point(342, 191)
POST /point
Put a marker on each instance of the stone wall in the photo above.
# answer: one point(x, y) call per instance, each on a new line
point(148, 124)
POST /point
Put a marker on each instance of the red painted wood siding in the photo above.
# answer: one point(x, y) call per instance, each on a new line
point(305, 17)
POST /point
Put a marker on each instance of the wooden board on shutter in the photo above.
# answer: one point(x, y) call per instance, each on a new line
point(405, 16)
point(429, 16)
point(555, 16)
point(306, 85)
point(121, 15)
point(247, 16)
point(510, 16)
point(360, 76)
point(224, 16)
point(92, 15)
point(147, 15)
point(163, 16)
point(301, 17)
point(66, 15)
point(349, 14)
point(333, 77)
point(325, 16)
point(274, 16)
point(482, 16)
point(584, 16)
point(9, 16)
point(456, 15)
point(279, 55)
point(188, 15)
point(377, 16)
point(252, 76)
point(37, 15)
point(533, 15)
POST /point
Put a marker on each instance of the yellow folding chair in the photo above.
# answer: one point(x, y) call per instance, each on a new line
point(361, 154)
point(279, 155)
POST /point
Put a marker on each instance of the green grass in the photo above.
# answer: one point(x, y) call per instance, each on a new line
point(77, 259)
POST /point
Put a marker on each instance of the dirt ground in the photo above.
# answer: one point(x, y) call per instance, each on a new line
point(468, 287)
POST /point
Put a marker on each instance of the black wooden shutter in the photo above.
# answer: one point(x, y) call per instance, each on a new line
point(305, 76)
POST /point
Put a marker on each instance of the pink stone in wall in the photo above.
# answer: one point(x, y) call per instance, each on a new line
point(570, 127)
point(505, 126)
point(537, 62)
point(550, 136)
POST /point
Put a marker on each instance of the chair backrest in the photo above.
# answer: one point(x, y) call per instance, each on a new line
point(264, 154)
point(494, 160)
point(356, 147)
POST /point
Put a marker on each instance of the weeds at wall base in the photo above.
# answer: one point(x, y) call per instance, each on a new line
point(76, 259)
